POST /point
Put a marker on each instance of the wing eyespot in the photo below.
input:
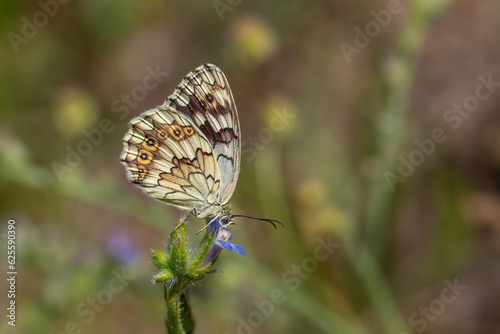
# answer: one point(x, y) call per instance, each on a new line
point(141, 173)
point(189, 131)
point(176, 132)
point(150, 144)
point(144, 157)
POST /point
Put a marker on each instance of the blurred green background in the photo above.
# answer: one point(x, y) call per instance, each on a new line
point(336, 100)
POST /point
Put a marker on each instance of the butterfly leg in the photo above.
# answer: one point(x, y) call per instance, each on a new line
point(183, 219)
point(210, 222)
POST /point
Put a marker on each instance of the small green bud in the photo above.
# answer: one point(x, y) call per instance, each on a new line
point(177, 251)
point(163, 276)
point(160, 259)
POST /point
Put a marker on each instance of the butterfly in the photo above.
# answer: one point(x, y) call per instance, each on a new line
point(187, 151)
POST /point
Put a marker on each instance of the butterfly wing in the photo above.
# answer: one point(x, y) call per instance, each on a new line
point(171, 160)
point(204, 96)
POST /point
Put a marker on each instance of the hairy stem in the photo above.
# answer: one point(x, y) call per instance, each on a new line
point(173, 318)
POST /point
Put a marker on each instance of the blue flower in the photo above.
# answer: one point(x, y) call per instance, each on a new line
point(221, 237)
point(121, 248)
point(220, 240)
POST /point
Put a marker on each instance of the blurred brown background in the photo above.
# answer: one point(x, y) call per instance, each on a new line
point(369, 126)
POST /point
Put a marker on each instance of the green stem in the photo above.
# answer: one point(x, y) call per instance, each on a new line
point(186, 316)
point(173, 319)
point(178, 269)
point(391, 133)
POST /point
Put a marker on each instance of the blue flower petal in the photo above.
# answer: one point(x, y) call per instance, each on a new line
point(238, 249)
point(214, 226)
point(225, 244)
point(231, 246)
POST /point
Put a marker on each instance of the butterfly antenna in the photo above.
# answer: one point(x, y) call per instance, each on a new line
point(270, 221)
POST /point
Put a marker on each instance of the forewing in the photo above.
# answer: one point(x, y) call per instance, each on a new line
point(171, 160)
point(204, 96)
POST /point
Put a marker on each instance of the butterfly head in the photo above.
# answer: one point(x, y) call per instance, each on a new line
point(226, 220)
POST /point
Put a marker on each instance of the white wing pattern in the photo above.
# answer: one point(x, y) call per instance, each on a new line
point(187, 151)
point(204, 96)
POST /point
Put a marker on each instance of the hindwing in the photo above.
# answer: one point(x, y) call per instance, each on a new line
point(170, 159)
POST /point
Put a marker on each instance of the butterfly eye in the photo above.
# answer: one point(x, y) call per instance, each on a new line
point(144, 157)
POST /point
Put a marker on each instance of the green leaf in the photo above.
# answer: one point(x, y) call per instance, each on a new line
point(177, 250)
point(200, 252)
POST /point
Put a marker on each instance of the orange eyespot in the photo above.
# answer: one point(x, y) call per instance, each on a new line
point(162, 133)
point(176, 132)
point(144, 157)
point(141, 173)
point(189, 131)
point(150, 144)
